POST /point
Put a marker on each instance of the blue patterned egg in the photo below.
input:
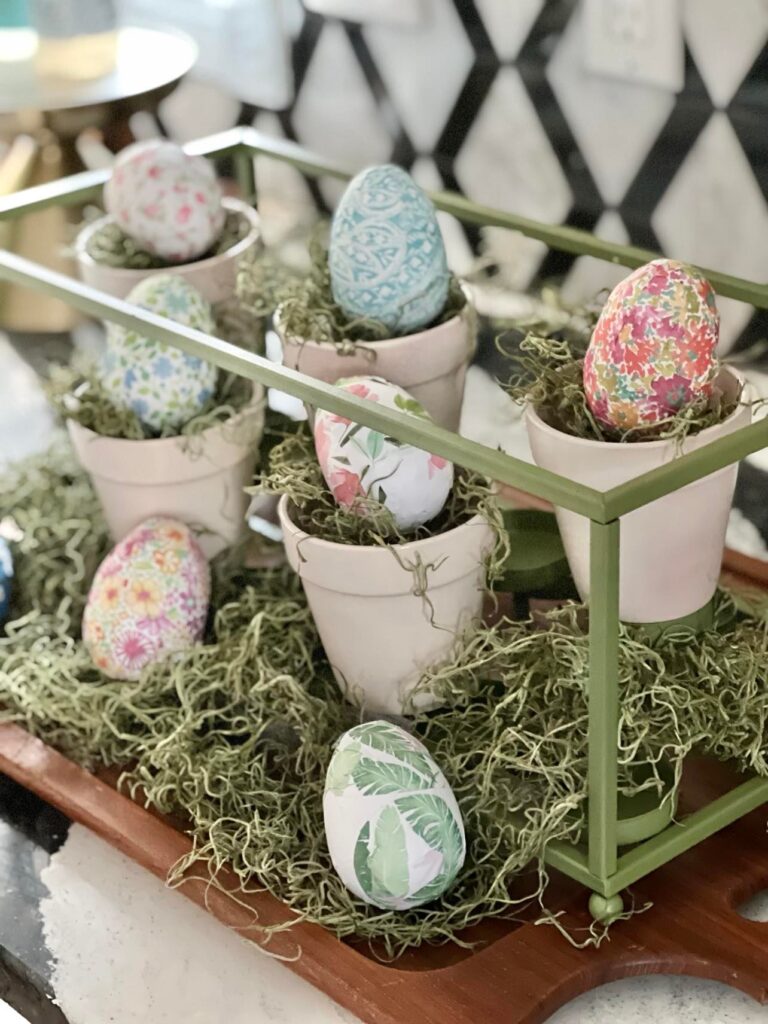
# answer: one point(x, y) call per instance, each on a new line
point(6, 577)
point(386, 257)
point(164, 386)
point(392, 824)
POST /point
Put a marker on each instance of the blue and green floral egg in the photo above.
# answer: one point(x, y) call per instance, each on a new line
point(387, 257)
point(392, 824)
point(164, 386)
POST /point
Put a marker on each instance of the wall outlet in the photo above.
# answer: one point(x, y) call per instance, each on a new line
point(391, 12)
point(635, 40)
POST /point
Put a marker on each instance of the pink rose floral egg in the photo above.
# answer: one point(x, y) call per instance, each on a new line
point(653, 348)
point(149, 599)
point(166, 200)
point(360, 463)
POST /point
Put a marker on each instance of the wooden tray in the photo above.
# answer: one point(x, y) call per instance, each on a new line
point(518, 972)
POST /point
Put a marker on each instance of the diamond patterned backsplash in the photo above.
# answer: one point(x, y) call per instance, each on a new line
point(491, 97)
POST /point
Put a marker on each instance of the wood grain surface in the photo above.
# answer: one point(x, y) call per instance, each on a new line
point(518, 972)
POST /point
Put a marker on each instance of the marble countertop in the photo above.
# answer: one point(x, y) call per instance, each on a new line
point(81, 925)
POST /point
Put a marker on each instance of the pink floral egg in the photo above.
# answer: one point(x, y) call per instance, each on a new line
point(149, 599)
point(653, 348)
point(166, 200)
point(360, 463)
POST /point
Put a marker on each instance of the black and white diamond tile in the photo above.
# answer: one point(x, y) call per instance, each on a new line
point(589, 275)
point(423, 94)
point(615, 124)
point(725, 40)
point(491, 97)
point(506, 160)
point(508, 33)
point(336, 113)
point(714, 213)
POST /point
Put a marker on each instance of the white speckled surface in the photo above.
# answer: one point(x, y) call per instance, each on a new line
point(176, 963)
point(9, 1016)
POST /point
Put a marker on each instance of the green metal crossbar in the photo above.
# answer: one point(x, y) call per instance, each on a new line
point(596, 864)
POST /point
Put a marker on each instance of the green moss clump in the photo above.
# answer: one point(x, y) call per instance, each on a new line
point(112, 247)
point(307, 307)
point(235, 735)
point(547, 374)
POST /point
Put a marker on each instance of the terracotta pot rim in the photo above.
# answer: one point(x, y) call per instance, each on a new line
point(230, 203)
point(532, 415)
point(386, 344)
point(256, 403)
point(375, 549)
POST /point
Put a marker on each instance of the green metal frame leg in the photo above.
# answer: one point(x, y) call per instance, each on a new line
point(603, 698)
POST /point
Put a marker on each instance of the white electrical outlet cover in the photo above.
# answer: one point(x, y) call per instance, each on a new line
point(390, 12)
point(635, 40)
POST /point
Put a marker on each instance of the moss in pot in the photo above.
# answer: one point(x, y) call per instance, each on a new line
point(161, 432)
point(648, 389)
point(380, 299)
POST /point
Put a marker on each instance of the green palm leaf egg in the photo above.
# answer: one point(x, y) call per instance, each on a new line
point(341, 768)
point(391, 739)
point(393, 827)
point(362, 866)
point(379, 777)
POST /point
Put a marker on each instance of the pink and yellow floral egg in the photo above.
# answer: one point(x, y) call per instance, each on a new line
point(359, 463)
point(653, 348)
point(148, 600)
point(166, 200)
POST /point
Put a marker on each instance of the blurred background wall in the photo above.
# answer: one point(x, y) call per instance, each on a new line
point(492, 97)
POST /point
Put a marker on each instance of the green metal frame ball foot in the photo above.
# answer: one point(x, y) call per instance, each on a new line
point(605, 910)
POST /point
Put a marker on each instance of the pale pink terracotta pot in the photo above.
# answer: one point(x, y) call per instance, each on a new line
point(214, 278)
point(431, 365)
point(378, 634)
point(670, 550)
point(197, 479)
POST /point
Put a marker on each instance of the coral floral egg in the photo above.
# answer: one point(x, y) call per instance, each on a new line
point(166, 200)
point(149, 599)
point(164, 386)
point(360, 463)
point(387, 257)
point(653, 348)
point(392, 824)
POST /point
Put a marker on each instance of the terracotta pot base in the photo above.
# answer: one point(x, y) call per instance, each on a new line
point(198, 479)
point(379, 632)
point(670, 549)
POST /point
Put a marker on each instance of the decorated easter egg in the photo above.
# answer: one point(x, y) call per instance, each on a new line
point(653, 348)
point(6, 578)
point(392, 824)
point(149, 598)
point(166, 200)
point(386, 256)
point(164, 386)
point(360, 463)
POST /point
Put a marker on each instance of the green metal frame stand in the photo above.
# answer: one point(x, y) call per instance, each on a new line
point(597, 864)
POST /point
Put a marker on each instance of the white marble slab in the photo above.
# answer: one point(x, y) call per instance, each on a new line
point(129, 951)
